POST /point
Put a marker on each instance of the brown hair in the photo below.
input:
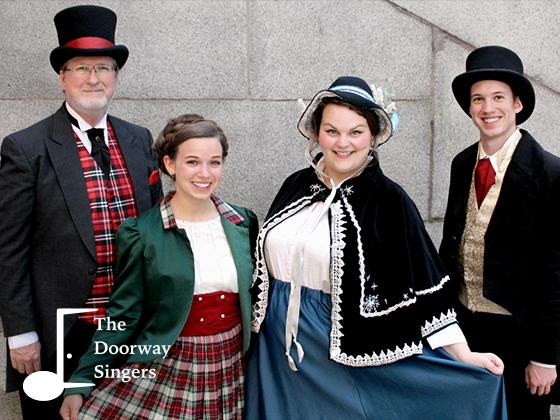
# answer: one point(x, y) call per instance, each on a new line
point(182, 128)
point(371, 117)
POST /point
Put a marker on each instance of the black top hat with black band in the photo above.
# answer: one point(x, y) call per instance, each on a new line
point(495, 63)
point(356, 92)
point(86, 31)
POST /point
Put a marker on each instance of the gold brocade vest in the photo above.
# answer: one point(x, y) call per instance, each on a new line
point(471, 252)
point(471, 249)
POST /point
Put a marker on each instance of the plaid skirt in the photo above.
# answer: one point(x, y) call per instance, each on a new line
point(201, 378)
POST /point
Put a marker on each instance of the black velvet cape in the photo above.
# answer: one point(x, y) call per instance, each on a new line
point(388, 286)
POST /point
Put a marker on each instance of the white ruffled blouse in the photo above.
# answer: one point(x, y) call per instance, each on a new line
point(214, 267)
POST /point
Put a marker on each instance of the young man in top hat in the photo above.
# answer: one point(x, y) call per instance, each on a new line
point(501, 232)
point(67, 182)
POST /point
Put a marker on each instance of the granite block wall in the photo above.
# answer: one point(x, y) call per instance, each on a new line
point(245, 63)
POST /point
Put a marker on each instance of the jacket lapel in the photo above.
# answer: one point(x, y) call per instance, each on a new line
point(524, 167)
point(461, 182)
point(135, 161)
point(65, 159)
point(239, 243)
point(521, 182)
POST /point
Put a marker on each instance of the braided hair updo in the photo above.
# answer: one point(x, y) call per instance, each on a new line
point(182, 128)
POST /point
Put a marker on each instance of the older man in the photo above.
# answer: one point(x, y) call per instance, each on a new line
point(501, 239)
point(67, 183)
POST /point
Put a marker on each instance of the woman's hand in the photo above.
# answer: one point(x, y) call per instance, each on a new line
point(489, 361)
point(71, 406)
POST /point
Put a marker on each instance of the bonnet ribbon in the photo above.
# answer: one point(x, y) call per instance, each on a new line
point(292, 316)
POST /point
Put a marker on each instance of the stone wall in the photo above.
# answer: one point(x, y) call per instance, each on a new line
point(245, 63)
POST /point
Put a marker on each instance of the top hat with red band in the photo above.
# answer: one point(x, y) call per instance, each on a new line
point(86, 31)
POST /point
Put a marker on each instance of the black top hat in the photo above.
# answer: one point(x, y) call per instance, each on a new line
point(86, 31)
point(354, 91)
point(495, 63)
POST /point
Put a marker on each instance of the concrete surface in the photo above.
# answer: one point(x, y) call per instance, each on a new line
point(245, 63)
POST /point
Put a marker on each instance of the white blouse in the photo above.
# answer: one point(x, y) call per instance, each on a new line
point(284, 240)
point(214, 268)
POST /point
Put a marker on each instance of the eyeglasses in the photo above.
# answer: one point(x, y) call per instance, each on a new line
point(84, 70)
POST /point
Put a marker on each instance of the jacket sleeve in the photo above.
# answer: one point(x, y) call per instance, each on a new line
point(17, 186)
point(125, 304)
point(449, 246)
point(544, 330)
point(156, 190)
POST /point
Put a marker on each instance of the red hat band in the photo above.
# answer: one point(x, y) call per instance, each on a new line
point(89, 42)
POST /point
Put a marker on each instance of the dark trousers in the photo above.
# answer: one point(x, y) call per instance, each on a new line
point(501, 334)
point(76, 342)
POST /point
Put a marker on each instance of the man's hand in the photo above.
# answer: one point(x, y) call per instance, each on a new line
point(539, 379)
point(71, 406)
point(27, 359)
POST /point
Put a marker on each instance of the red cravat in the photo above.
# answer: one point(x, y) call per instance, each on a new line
point(483, 179)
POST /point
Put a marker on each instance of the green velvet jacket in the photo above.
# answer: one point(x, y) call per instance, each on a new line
point(155, 286)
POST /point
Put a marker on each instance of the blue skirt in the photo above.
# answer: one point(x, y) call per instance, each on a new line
point(428, 386)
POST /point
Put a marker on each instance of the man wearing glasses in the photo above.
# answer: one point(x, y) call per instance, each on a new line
point(66, 184)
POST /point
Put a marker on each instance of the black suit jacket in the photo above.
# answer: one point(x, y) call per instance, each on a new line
point(522, 243)
point(47, 249)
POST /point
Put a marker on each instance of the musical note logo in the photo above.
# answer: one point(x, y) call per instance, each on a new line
point(45, 385)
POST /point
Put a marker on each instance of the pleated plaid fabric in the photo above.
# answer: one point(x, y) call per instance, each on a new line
point(201, 378)
point(110, 201)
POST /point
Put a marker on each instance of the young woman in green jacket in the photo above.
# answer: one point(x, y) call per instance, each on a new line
point(179, 317)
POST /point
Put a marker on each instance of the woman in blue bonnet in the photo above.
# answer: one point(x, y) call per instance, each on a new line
point(352, 305)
